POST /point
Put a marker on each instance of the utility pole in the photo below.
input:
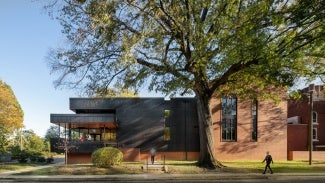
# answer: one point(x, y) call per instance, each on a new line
point(310, 126)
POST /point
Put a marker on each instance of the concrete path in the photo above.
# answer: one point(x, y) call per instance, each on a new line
point(216, 177)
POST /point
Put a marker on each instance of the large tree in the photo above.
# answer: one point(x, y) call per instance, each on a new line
point(11, 114)
point(205, 47)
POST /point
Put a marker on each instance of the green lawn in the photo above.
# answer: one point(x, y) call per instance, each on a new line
point(11, 167)
point(279, 167)
point(180, 167)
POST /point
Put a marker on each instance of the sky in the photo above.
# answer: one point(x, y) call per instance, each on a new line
point(26, 35)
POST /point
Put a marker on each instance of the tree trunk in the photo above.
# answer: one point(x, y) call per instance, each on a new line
point(207, 155)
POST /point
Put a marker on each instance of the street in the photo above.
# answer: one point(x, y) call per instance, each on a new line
point(282, 178)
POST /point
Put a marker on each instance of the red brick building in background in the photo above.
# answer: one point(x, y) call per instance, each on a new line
point(299, 118)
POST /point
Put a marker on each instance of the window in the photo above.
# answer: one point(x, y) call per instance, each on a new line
point(109, 135)
point(167, 134)
point(229, 118)
point(314, 117)
point(315, 134)
point(167, 113)
point(254, 120)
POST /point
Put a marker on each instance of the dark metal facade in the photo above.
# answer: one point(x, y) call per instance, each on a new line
point(140, 122)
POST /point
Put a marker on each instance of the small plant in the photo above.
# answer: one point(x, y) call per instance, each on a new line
point(107, 157)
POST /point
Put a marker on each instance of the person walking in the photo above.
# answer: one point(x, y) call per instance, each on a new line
point(268, 159)
point(152, 154)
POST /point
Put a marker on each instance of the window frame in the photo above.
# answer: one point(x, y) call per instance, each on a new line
point(315, 135)
point(229, 118)
point(315, 116)
point(254, 120)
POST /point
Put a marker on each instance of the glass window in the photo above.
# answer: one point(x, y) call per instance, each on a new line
point(109, 135)
point(167, 133)
point(314, 117)
point(314, 133)
point(229, 118)
point(167, 113)
point(254, 120)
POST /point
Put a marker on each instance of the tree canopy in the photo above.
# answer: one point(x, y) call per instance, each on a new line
point(11, 114)
point(205, 47)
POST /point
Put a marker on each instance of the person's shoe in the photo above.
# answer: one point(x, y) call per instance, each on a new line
point(271, 172)
point(263, 172)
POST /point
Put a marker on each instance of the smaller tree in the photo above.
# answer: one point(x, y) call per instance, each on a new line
point(53, 132)
point(11, 114)
point(27, 144)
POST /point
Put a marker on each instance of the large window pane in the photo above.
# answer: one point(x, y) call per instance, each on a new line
point(229, 118)
point(254, 120)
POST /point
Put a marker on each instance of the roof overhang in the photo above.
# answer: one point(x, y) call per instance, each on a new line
point(84, 120)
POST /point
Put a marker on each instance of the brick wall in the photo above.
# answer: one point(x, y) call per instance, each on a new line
point(79, 158)
point(272, 132)
point(298, 137)
point(304, 155)
point(190, 156)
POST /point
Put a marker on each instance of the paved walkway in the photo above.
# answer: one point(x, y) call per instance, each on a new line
point(165, 177)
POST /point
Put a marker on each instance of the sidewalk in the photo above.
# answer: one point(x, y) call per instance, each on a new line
point(161, 177)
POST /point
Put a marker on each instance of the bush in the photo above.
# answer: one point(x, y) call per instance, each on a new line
point(50, 159)
point(107, 157)
point(23, 156)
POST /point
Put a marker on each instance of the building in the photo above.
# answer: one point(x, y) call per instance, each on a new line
point(299, 117)
point(247, 129)
point(134, 125)
point(243, 129)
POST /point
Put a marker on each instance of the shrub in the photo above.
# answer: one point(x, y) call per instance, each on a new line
point(50, 159)
point(107, 157)
point(23, 156)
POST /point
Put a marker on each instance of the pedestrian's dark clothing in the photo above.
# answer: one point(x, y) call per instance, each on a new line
point(153, 154)
point(268, 159)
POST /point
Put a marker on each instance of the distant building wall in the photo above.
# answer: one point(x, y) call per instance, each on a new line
point(304, 155)
point(297, 137)
point(298, 134)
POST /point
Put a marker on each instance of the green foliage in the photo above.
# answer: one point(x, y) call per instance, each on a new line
point(21, 155)
point(107, 157)
point(184, 46)
point(11, 114)
point(53, 132)
point(118, 91)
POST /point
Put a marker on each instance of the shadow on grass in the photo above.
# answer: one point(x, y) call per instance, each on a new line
point(182, 167)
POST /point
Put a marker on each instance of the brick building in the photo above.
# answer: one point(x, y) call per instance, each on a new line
point(299, 117)
point(243, 129)
point(260, 126)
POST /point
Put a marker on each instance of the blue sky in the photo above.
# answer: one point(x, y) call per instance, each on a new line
point(26, 34)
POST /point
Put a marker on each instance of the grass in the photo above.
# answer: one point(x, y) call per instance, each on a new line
point(174, 167)
point(278, 167)
point(18, 166)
